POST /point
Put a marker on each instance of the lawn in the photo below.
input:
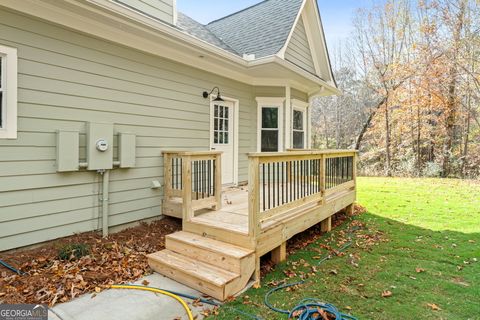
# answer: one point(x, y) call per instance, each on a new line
point(415, 255)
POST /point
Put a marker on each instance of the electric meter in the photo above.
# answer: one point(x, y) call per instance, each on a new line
point(102, 145)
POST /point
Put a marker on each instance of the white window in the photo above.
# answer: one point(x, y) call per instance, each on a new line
point(8, 93)
point(299, 124)
point(270, 124)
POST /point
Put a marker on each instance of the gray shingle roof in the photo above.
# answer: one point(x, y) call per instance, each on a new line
point(261, 29)
point(199, 31)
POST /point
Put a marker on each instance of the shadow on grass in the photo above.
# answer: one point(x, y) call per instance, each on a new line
point(430, 274)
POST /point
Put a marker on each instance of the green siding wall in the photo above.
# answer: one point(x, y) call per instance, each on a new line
point(298, 49)
point(66, 79)
point(158, 9)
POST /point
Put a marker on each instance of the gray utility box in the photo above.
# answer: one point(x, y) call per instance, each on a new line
point(99, 146)
point(126, 150)
point(67, 151)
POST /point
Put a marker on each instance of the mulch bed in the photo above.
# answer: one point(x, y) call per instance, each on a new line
point(120, 258)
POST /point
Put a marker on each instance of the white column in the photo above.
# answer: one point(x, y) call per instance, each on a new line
point(288, 119)
point(309, 122)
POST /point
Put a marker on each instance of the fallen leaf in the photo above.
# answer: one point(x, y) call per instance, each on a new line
point(334, 272)
point(387, 293)
point(419, 270)
point(145, 282)
point(256, 285)
point(97, 289)
point(434, 307)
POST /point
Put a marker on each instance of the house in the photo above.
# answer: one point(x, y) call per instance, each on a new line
point(117, 111)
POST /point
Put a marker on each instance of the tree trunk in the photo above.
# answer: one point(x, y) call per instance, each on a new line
point(452, 103)
point(388, 168)
point(367, 123)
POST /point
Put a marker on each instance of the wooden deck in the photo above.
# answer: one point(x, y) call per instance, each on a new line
point(286, 194)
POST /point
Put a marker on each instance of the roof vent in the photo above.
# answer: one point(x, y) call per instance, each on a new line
point(249, 57)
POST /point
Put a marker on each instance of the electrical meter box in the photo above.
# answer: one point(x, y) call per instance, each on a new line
point(67, 150)
point(99, 146)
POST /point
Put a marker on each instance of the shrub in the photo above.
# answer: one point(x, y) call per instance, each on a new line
point(73, 251)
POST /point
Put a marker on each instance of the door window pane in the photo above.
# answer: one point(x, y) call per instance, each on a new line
point(269, 118)
point(221, 124)
point(269, 141)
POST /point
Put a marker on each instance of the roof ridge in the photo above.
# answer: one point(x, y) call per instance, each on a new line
point(237, 12)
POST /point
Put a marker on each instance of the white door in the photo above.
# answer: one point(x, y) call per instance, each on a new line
point(223, 118)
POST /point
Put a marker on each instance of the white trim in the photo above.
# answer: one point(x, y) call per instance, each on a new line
point(311, 44)
point(236, 120)
point(299, 103)
point(288, 113)
point(270, 102)
point(9, 96)
point(281, 53)
point(309, 123)
point(174, 12)
point(323, 42)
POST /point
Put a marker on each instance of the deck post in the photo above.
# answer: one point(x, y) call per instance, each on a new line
point(279, 254)
point(254, 208)
point(187, 188)
point(218, 182)
point(167, 177)
point(253, 197)
point(350, 209)
point(322, 178)
point(326, 225)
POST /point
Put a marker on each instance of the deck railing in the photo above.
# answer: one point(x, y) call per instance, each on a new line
point(195, 178)
point(283, 181)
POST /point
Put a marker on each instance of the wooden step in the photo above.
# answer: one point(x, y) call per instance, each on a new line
point(225, 255)
point(202, 276)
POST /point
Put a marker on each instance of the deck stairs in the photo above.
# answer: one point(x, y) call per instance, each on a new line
point(216, 268)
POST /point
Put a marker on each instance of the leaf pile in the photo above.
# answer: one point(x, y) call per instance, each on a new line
point(117, 259)
point(309, 236)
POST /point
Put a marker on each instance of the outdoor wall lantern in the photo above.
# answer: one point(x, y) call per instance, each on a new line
point(218, 98)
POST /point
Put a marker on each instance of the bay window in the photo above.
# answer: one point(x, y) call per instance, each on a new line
point(270, 124)
point(299, 124)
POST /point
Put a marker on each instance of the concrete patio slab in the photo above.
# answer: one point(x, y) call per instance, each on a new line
point(120, 304)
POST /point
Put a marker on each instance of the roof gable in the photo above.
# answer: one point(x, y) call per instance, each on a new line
point(298, 49)
point(261, 29)
point(308, 32)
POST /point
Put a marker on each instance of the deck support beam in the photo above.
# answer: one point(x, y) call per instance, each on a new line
point(279, 254)
point(326, 225)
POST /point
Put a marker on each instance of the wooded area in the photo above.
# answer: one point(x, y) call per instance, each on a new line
point(410, 77)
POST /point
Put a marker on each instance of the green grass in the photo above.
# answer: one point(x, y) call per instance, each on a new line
point(426, 225)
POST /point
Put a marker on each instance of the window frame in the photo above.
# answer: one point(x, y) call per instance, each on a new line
point(270, 102)
point(298, 105)
point(8, 127)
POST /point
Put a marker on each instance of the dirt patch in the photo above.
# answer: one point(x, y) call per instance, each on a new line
point(119, 258)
